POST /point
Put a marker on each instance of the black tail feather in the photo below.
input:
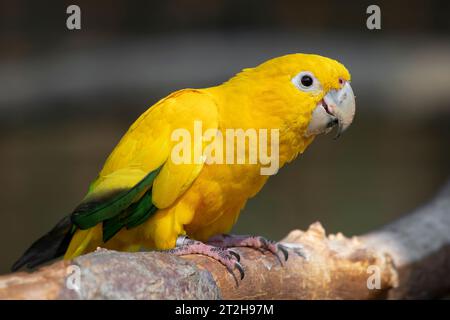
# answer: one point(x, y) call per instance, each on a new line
point(48, 247)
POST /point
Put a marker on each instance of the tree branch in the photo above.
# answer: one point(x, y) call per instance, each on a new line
point(420, 246)
point(411, 257)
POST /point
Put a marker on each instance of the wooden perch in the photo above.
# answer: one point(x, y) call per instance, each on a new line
point(408, 258)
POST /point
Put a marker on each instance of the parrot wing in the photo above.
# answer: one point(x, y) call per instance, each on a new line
point(140, 175)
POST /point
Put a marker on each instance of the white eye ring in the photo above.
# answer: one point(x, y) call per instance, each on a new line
point(306, 81)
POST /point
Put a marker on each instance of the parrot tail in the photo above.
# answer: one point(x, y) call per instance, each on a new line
point(48, 247)
point(118, 210)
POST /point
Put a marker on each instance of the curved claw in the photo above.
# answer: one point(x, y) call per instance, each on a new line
point(235, 254)
point(297, 249)
point(300, 252)
point(281, 248)
point(274, 247)
point(238, 266)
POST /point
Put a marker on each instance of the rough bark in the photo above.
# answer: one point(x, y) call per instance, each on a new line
point(411, 257)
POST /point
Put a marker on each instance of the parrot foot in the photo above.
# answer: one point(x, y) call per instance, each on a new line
point(255, 242)
point(226, 257)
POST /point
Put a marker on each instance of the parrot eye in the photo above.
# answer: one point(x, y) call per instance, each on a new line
point(306, 81)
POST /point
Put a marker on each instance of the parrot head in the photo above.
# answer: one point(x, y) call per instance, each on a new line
point(327, 84)
point(308, 92)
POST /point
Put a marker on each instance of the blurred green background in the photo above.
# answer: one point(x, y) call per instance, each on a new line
point(66, 98)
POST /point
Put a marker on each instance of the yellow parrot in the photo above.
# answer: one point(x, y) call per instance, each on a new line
point(145, 198)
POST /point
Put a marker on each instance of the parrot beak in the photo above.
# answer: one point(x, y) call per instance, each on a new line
point(336, 108)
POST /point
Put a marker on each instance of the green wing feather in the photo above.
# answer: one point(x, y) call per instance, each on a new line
point(89, 214)
point(133, 216)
